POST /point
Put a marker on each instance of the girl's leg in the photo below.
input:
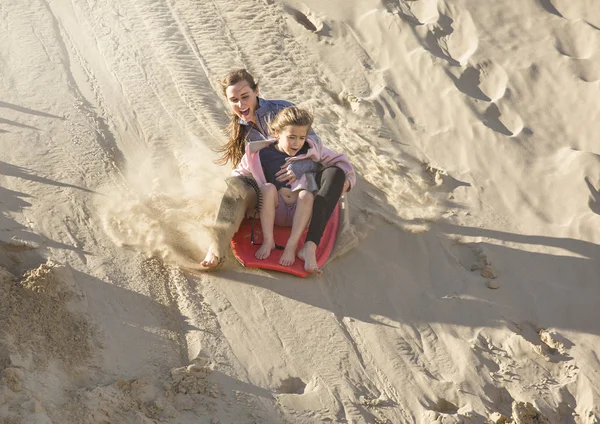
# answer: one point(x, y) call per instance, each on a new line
point(301, 217)
point(331, 183)
point(267, 220)
point(238, 197)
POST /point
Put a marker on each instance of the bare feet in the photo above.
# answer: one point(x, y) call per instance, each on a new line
point(265, 250)
point(308, 254)
point(212, 258)
point(289, 256)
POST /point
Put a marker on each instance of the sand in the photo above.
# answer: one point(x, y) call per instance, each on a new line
point(465, 283)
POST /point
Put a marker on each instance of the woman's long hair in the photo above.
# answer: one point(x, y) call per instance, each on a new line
point(234, 149)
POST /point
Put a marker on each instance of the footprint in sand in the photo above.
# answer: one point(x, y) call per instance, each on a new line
point(308, 399)
point(308, 20)
point(510, 119)
point(577, 39)
point(487, 80)
point(587, 70)
point(419, 12)
point(586, 10)
point(450, 32)
point(568, 9)
point(493, 79)
point(501, 118)
point(445, 411)
point(292, 385)
point(580, 42)
point(445, 407)
point(456, 34)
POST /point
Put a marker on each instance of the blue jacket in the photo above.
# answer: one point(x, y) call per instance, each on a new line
point(266, 112)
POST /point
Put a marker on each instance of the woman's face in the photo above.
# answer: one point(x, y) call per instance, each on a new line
point(243, 100)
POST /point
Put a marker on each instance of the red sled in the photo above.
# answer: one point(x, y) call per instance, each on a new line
point(244, 250)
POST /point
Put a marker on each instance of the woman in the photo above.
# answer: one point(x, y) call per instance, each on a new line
point(250, 122)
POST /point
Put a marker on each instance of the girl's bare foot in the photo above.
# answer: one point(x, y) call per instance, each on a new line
point(289, 256)
point(265, 250)
point(212, 258)
point(308, 254)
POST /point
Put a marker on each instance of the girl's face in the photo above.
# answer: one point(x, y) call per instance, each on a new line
point(292, 138)
point(243, 100)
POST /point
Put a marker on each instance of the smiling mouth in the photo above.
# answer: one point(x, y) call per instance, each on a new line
point(245, 112)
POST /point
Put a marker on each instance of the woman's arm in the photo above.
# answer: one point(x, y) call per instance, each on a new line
point(243, 168)
point(313, 135)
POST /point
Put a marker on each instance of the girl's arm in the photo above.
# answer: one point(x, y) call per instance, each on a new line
point(292, 171)
point(321, 156)
point(295, 169)
point(301, 167)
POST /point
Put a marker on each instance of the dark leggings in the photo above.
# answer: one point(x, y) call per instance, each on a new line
point(231, 212)
point(331, 183)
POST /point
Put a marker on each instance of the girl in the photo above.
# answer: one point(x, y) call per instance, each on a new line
point(249, 122)
point(285, 204)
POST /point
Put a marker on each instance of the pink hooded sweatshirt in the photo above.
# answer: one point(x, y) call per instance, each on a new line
point(250, 164)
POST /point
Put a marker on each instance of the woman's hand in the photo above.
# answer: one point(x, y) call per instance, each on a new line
point(346, 187)
point(285, 175)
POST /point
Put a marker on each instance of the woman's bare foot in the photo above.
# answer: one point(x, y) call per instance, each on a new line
point(212, 258)
point(308, 254)
point(289, 256)
point(265, 250)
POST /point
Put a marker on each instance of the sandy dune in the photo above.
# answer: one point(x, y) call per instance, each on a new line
point(465, 284)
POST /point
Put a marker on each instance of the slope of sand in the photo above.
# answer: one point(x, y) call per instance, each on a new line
point(463, 289)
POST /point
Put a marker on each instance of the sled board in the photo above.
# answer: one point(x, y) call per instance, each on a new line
point(244, 251)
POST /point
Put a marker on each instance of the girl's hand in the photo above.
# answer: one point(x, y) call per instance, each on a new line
point(285, 175)
point(346, 186)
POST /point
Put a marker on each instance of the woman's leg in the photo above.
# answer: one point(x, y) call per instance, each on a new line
point(301, 217)
point(331, 183)
point(239, 196)
point(267, 219)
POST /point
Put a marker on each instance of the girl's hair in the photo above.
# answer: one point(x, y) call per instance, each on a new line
point(233, 150)
point(291, 115)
